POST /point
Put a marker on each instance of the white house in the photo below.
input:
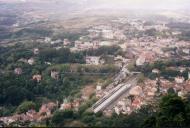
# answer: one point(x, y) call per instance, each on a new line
point(179, 80)
point(140, 61)
point(93, 60)
point(18, 71)
point(36, 51)
point(98, 88)
point(31, 61)
point(47, 40)
point(156, 71)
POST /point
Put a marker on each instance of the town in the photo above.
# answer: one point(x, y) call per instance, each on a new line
point(109, 65)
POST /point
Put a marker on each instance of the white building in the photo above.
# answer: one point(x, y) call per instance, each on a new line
point(36, 51)
point(140, 61)
point(55, 74)
point(18, 71)
point(93, 60)
point(181, 94)
point(176, 33)
point(31, 61)
point(179, 80)
point(98, 88)
point(106, 43)
point(117, 111)
point(56, 41)
point(108, 34)
point(80, 46)
point(187, 51)
point(47, 40)
point(156, 71)
point(189, 75)
point(123, 46)
point(119, 35)
point(66, 42)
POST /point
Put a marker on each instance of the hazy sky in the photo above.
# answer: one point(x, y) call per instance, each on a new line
point(138, 4)
point(168, 4)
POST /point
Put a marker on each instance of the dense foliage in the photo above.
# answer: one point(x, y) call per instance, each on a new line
point(172, 112)
point(73, 75)
point(105, 50)
point(61, 56)
point(165, 71)
point(25, 106)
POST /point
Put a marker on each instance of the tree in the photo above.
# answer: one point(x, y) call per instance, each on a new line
point(172, 112)
point(25, 106)
point(172, 105)
point(151, 32)
point(131, 66)
point(141, 78)
point(15, 95)
point(149, 122)
point(68, 114)
point(60, 116)
point(57, 119)
point(171, 91)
